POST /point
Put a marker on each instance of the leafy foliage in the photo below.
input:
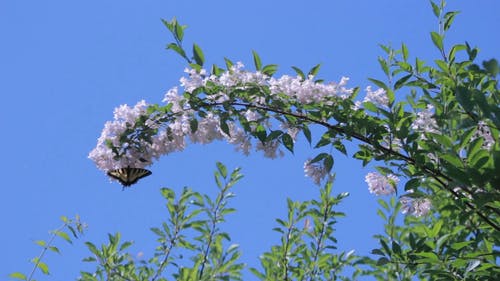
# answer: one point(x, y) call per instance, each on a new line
point(443, 138)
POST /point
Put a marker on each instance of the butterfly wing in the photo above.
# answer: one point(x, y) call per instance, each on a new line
point(128, 176)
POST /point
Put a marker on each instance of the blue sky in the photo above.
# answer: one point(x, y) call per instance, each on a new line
point(65, 65)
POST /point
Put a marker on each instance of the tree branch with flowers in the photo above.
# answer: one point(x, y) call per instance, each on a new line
point(440, 140)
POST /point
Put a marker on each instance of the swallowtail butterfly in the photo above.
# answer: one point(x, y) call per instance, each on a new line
point(128, 176)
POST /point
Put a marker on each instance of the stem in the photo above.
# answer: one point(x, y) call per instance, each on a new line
point(285, 252)
point(319, 241)
point(44, 250)
point(207, 249)
point(178, 226)
point(163, 263)
point(212, 230)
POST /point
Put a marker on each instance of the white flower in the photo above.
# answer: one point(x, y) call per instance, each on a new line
point(381, 185)
point(174, 135)
point(252, 115)
point(483, 131)
point(270, 149)
point(308, 91)
point(357, 105)
point(378, 97)
point(292, 131)
point(315, 170)
point(208, 130)
point(415, 206)
point(172, 96)
point(239, 139)
point(390, 141)
point(425, 121)
point(196, 79)
point(124, 119)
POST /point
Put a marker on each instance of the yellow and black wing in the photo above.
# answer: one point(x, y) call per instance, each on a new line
point(129, 176)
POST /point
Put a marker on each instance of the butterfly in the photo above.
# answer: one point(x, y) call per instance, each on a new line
point(128, 176)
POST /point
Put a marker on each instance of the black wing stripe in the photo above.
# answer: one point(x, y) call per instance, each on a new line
point(128, 176)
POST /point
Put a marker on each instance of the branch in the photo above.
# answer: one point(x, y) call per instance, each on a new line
point(435, 174)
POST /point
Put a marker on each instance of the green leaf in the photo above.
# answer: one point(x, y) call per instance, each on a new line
point(260, 132)
point(41, 243)
point(385, 246)
point(93, 249)
point(18, 275)
point(43, 267)
point(442, 65)
point(168, 24)
point(428, 257)
point(274, 135)
point(228, 62)
point(448, 19)
point(167, 193)
point(464, 98)
point(64, 236)
point(379, 83)
point(377, 252)
point(437, 40)
point(54, 249)
point(325, 140)
point(307, 133)
point(179, 31)
point(383, 65)
point(382, 261)
point(328, 162)
point(404, 50)
point(396, 248)
point(435, 229)
point(125, 245)
point(435, 9)
point(401, 81)
point(198, 55)
point(157, 231)
point(222, 169)
point(412, 184)
point(314, 70)
point(319, 157)
point(176, 48)
point(256, 60)
point(193, 124)
point(270, 69)
point(299, 72)
point(287, 141)
point(460, 245)
point(454, 49)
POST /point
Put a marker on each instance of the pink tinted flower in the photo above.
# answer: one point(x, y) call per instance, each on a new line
point(425, 121)
point(270, 148)
point(315, 170)
point(483, 131)
point(195, 80)
point(380, 184)
point(415, 206)
point(378, 97)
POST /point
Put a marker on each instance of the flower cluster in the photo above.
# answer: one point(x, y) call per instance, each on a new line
point(483, 131)
point(316, 171)
point(425, 122)
point(415, 206)
point(378, 97)
point(380, 184)
point(172, 130)
point(124, 119)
